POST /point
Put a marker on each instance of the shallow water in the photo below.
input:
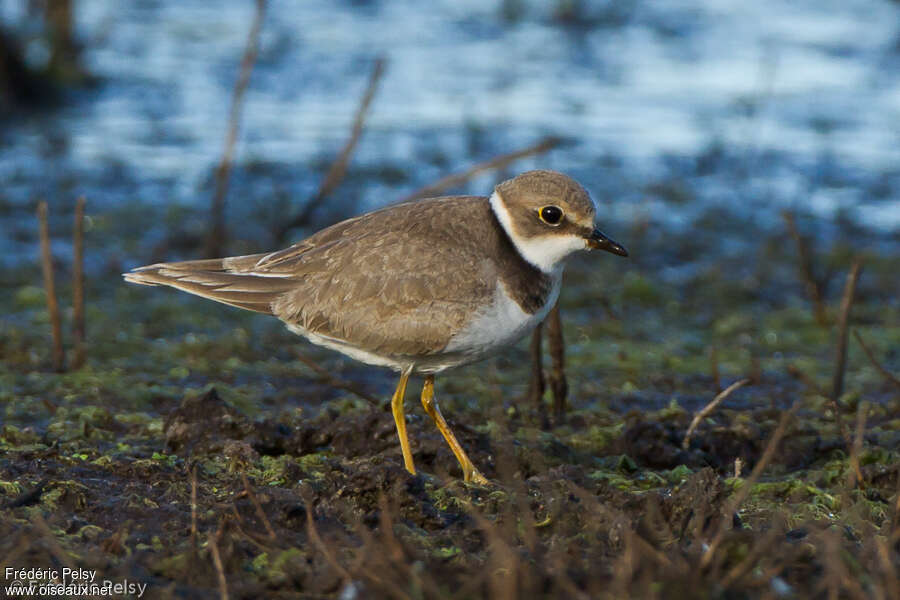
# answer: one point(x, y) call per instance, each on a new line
point(759, 105)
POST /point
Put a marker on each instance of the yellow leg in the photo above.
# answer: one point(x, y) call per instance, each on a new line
point(470, 473)
point(400, 420)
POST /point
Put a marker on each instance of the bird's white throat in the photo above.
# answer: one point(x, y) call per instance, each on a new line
point(546, 252)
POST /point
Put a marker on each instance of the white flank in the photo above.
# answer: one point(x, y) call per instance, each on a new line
point(501, 323)
point(364, 356)
point(546, 252)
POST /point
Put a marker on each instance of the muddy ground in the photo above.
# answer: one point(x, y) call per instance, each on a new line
point(194, 452)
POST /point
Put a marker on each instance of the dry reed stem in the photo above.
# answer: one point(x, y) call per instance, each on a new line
point(891, 580)
point(396, 559)
point(544, 145)
point(215, 241)
point(808, 381)
point(59, 354)
point(313, 533)
point(217, 563)
point(744, 491)
point(338, 168)
point(840, 354)
point(194, 507)
point(78, 285)
point(260, 513)
point(812, 285)
point(855, 477)
point(387, 530)
point(714, 368)
point(52, 542)
point(536, 383)
point(503, 572)
point(890, 377)
point(333, 381)
point(558, 383)
point(741, 568)
point(705, 412)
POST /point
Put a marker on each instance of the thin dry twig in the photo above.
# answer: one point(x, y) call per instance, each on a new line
point(536, 384)
point(840, 355)
point(52, 542)
point(871, 356)
point(216, 238)
point(759, 549)
point(260, 513)
point(795, 372)
point(338, 168)
point(78, 285)
point(217, 563)
point(59, 354)
point(891, 580)
point(558, 383)
point(498, 162)
point(855, 477)
point(735, 503)
point(706, 410)
point(814, 287)
point(714, 368)
point(317, 541)
point(333, 381)
point(194, 508)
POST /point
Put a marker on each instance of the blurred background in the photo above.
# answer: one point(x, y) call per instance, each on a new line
point(751, 106)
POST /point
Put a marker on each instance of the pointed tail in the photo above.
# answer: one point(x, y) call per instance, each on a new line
point(231, 281)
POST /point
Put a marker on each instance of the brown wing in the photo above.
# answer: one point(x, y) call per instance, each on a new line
point(400, 281)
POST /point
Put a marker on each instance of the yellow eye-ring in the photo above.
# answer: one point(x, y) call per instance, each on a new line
point(551, 215)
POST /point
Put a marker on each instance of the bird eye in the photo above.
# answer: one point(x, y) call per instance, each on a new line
point(551, 215)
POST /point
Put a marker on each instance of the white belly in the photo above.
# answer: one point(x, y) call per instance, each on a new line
point(501, 323)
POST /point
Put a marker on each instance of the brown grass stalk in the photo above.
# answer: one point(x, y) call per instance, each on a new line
point(215, 240)
point(795, 372)
point(814, 288)
point(260, 513)
point(558, 383)
point(714, 368)
point(890, 377)
point(536, 383)
point(217, 563)
point(707, 410)
point(738, 499)
point(194, 507)
point(338, 168)
point(544, 145)
point(314, 537)
point(840, 355)
point(759, 549)
point(891, 578)
point(59, 354)
point(855, 477)
point(53, 544)
point(78, 285)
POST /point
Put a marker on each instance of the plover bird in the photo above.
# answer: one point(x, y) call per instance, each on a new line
point(419, 287)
